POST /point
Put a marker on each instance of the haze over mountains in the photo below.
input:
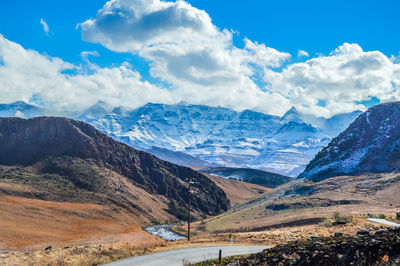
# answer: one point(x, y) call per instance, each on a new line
point(212, 136)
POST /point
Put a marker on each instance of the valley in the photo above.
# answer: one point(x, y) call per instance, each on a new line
point(199, 133)
point(69, 175)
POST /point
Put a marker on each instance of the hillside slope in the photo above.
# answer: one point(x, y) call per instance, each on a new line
point(58, 160)
point(253, 176)
point(304, 201)
point(370, 144)
point(238, 191)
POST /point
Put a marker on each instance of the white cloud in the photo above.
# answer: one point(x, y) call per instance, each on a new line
point(395, 59)
point(302, 53)
point(343, 79)
point(27, 75)
point(85, 55)
point(201, 64)
point(45, 26)
point(186, 50)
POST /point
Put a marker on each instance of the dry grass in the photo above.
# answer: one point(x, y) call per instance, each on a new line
point(77, 255)
point(376, 194)
point(121, 239)
point(238, 191)
point(141, 242)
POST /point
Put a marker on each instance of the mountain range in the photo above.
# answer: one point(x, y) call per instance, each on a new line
point(204, 136)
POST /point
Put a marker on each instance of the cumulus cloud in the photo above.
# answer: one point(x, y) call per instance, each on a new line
point(186, 50)
point(201, 65)
point(302, 53)
point(395, 59)
point(343, 79)
point(45, 26)
point(28, 75)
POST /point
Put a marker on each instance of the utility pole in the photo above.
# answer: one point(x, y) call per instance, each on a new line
point(189, 201)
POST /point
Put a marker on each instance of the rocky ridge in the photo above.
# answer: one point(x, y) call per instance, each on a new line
point(370, 144)
point(74, 150)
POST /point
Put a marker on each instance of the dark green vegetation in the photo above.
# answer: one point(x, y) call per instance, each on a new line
point(60, 179)
point(366, 248)
point(70, 160)
point(253, 176)
point(178, 212)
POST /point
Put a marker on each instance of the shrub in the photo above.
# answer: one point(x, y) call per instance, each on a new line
point(179, 212)
point(341, 218)
point(381, 216)
point(326, 222)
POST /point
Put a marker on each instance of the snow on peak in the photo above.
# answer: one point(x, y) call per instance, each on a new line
point(370, 144)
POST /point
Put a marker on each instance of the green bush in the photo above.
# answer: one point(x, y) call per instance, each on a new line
point(178, 212)
point(382, 216)
point(341, 218)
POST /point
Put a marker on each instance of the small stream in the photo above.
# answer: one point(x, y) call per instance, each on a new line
point(164, 231)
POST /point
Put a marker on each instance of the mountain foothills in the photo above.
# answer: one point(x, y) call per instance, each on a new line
point(203, 136)
point(370, 144)
point(59, 159)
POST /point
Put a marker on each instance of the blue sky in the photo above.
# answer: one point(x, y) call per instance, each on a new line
point(287, 25)
point(317, 27)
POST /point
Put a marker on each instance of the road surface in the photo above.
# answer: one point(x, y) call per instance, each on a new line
point(383, 221)
point(176, 257)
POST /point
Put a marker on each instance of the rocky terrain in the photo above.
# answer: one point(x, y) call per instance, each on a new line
point(381, 247)
point(370, 144)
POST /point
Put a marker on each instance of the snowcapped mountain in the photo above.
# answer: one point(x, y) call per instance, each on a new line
point(96, 111)
point(198, 135)
point(220, 136)
point(21, 109)
point(370, 144)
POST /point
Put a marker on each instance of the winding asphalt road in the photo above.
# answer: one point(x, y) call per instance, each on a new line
point(176, 257)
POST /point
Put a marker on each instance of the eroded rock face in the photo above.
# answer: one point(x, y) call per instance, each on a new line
point(370, 144)
point(381, 248)
point(31, 141)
